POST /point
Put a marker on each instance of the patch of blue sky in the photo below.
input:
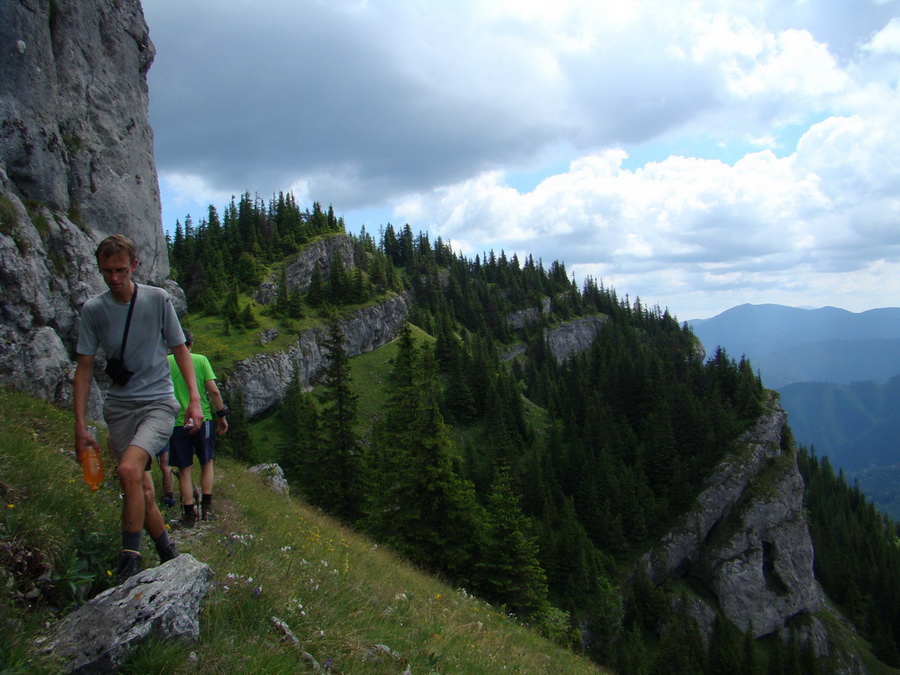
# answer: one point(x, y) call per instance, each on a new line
point(781, 141)
point(374, 220)
point(527, 180)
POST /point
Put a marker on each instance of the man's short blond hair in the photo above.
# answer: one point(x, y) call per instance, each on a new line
point(115, 244)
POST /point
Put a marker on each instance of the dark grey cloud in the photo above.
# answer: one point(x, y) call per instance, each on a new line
point(430, 107)
point(263, 98)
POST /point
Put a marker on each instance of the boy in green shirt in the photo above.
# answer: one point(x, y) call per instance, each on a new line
point(183, 445)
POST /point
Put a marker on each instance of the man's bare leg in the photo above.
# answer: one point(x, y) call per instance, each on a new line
point(207, 477)
point(131, 478)
point(186, 487)
point(168, 481)
point(153, 520)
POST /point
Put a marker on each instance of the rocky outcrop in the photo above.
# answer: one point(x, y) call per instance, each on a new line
point(161, 603)
point(264, 378)
point(520, 319)
point(747, 538)
point(566, 339)
point(75, 136)
point(322, 251)
point(76, 164)
point(272, 475)
point(299, 271)
point(575, 336)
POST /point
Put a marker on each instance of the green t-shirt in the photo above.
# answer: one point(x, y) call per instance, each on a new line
point(204, 372)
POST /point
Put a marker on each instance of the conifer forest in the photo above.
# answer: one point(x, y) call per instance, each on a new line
point(532, 482)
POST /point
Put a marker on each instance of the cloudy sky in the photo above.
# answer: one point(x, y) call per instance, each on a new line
point(698, 155)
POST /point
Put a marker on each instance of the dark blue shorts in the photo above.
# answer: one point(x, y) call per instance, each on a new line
point(183, 446)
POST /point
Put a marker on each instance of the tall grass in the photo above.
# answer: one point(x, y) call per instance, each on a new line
point(350, 605)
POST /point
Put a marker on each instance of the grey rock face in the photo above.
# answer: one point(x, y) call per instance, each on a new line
point(162, 602)
point(520, 319)
point(76, 164)
point(566, 339)
point(763, 573)
point(575, 336)
point(273, 476)
point(73, 103)
point(747, 538)
point(263, 379)
point(299, 272)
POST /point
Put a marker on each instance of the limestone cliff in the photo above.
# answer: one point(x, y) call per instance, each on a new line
point(566, 339)
point(575, 336)
point(299, 271)
point(263, 379)
point(747, 542)
point(747, 537)
point(76, 164)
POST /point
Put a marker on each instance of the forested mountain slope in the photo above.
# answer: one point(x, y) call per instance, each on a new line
point(535, 481)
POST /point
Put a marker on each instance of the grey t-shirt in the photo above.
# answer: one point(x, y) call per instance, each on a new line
point(154, 330)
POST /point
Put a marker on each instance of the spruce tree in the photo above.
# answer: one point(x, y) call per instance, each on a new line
point(508, 569)
point(340, 488)
point(303, 458)
point(422, 507)
point(725, 648)
point(315, 294)
point(238, 442)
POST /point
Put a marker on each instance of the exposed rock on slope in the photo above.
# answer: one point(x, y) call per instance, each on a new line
point(747, 538)
point(263, 379)
point(566, 339)
point(76, 164)
point(575, 336)
point(161, 602)
point(299, 271)
point(73, 100)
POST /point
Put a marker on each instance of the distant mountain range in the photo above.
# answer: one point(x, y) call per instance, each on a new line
point(789, 344)
point(838, 373)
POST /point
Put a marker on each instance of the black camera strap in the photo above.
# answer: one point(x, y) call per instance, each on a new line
point(128, 324)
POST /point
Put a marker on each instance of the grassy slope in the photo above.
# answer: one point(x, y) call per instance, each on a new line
point(272, 556)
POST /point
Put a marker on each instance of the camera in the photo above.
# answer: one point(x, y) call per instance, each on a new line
point(117, 372)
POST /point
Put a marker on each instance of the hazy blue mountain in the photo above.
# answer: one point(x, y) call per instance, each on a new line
point(857, 425)
point(882, 486)
point(837, 361)
point(790, 344)
point(838, 374)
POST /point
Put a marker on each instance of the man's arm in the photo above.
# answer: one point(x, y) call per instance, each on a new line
point(193, 414)
point(84, 376)
point(215, 397)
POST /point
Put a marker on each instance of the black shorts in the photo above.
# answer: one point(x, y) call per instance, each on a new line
point(183, 445)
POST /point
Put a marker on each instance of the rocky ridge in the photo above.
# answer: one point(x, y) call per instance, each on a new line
point(747, 541)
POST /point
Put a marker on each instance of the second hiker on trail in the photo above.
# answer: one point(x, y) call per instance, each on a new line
point(183, 444)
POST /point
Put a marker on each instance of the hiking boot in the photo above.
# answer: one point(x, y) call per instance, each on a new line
point(168, 500)
point(129, 565)
point(167, 552)
point(207, 513)
point(188, 519)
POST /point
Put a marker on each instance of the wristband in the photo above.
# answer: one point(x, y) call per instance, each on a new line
point(222, 412)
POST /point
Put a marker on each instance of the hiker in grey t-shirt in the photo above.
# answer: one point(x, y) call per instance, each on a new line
point(140, 406)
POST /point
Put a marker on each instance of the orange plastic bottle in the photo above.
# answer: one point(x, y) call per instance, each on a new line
point(92, 465)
